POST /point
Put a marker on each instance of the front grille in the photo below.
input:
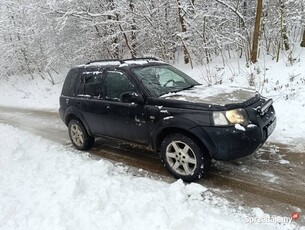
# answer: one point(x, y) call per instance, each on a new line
point(262, 114)
point(263, 109)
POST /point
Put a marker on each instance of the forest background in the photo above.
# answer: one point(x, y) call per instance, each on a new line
point(44, 37)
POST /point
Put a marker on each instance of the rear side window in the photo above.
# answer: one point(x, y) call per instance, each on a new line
point(91, 85)
point(69, 85)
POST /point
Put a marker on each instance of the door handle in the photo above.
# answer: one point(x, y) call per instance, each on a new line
point(108, 107)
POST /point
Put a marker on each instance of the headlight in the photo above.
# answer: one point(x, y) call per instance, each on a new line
point(231, 117)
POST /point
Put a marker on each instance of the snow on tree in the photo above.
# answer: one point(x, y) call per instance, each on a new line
point(45, 36)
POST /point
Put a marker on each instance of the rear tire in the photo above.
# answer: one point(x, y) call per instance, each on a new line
point(184, 158)
point(79, 135)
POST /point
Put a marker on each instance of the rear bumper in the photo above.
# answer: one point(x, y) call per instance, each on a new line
point(61, 112)
point(229, 143)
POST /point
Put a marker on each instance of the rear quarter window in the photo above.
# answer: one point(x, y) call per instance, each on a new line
point(69, 84)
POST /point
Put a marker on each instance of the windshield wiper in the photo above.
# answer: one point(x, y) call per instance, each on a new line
point(178, 90)
point(185, 88)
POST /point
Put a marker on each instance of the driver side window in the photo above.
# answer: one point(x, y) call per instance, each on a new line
point(116, 83)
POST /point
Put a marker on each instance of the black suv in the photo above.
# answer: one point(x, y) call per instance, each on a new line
point(151, 103)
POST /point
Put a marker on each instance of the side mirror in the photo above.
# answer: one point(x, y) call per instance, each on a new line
point(131, 97)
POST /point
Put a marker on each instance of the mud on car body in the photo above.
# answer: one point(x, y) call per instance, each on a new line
point(151, 103)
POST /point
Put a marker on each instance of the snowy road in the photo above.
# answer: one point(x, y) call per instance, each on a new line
point(272, 179)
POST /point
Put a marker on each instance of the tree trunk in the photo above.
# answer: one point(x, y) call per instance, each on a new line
point(116, 50)
point(133, 32)
point(256, 31)
point(183, 30)
point(284, 27)
point(303, 40)
point(132, 54)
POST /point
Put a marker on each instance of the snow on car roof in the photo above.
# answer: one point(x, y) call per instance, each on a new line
point(104, 63)
point(139, 62)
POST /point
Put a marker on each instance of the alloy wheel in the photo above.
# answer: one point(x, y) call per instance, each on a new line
point(181, 158)
point(77, 135)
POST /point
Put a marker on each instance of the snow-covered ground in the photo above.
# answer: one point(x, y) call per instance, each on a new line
point(24, 92)
point(48, 186)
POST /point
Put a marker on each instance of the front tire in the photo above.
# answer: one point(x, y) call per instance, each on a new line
point(184, 158)
point(79, 136)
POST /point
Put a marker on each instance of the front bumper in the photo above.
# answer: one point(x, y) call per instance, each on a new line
point(229, 143)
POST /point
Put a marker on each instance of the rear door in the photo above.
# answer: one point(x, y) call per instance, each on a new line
point(90, 99)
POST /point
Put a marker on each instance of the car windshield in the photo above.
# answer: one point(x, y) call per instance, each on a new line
point(163, 79)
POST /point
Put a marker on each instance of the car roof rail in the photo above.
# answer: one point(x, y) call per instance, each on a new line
point(106, 60)
point(141, 58)
point(123, 60)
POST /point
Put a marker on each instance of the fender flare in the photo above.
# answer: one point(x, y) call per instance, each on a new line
point(169, 124)
point(73, 112)
point(181, 124)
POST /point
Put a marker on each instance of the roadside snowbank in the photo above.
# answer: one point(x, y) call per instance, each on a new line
point(24, 92)
point(47, 186)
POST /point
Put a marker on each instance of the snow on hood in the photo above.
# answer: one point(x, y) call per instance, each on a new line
point(217, 94)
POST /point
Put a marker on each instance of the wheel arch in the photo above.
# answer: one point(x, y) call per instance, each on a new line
point(172, 130)
point(72, 113)
point(70, 117)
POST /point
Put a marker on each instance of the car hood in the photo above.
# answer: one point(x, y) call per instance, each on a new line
point(213, 95)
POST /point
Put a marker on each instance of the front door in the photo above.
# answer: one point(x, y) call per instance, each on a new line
point(122, 120)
